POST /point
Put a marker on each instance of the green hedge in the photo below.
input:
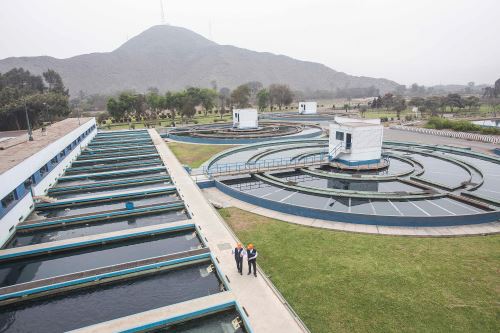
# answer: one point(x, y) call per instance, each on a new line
point(460, 125)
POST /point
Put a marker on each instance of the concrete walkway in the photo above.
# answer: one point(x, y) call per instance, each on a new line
point(224, 200)
point(97, 239)
point(160, 315)
point(267, 311)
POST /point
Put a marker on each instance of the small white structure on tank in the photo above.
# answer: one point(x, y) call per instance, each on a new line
point(308, 107)
point(245, 118)
point(355, 142)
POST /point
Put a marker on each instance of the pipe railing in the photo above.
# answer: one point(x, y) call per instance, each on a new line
point(265, 165)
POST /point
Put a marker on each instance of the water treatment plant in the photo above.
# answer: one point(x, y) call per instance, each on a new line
point(110, 225)
point(355, 177)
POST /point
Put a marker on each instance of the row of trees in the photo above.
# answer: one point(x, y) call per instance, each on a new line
point(390, 102)
point(432, 104)
point(452, 101)
point(44, 98)
point(185, 103)
point(150, 105)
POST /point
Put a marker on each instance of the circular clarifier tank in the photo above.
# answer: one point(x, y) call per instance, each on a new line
point(227, 133)
point(412, 185)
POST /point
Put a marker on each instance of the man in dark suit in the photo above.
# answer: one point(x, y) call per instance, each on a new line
point(252, 259)
point(239, 253)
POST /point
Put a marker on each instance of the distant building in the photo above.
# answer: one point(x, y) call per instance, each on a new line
point(308, 107)
point(245, 118)
point(356, 141)
point(29, 168)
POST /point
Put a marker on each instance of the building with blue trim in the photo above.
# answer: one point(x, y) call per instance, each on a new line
point(29, 168)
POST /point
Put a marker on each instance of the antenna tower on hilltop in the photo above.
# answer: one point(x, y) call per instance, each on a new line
point(162, 13)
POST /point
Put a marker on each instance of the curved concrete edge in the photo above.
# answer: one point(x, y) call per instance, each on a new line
point(214, 141)
point(216, 196)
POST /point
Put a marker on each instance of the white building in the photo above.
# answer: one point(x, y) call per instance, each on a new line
point(30, 168)
point(356, 141)
point(245, 118)
point(308, 107)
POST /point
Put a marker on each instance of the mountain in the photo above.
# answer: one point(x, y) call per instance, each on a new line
point(171, 58)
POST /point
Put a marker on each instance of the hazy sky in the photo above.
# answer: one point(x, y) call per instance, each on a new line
point(424, 41)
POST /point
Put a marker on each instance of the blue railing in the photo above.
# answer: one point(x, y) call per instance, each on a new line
point(265, 165)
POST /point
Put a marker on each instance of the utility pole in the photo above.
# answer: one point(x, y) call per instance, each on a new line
point(30, 134)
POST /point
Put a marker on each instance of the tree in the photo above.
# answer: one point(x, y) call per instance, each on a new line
point(454, 100)
point(18, 87)
point(432, 104)
point(362, 110)
point(399, 105)
point(388, 101)
point(280, 94)
point(207, 98)
point(262, 99)
point(188, 105)
point(224, 99)
point(492, 94)
point(241, 96)
point(417, 102)
point(173, 103)
point(155, 103)
point(471, 102)
point(255, 87)
point(55, 82)
point(114, 108)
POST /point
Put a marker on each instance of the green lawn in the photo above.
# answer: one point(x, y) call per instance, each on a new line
point(346, 282)
point(194, 155)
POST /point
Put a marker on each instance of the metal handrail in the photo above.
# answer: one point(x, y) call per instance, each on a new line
point(335, 149)
point(264, 165)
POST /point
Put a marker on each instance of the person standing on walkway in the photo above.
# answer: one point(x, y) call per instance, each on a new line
point(239, 253)
point(252, 259)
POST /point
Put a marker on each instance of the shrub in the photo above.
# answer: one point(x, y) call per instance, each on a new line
point(460, 126)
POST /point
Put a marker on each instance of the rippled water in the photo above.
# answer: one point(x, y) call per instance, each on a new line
point(92, 228)
point(94, 257)
point(94, 305)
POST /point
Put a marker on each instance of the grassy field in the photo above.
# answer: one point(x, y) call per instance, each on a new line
point(194, 155)
point(345, 282)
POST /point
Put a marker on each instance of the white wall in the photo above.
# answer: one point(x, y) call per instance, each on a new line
point(17, 214)
point(308, 107)
point(366, 142)
point(49, 180)
point(12, 178)
point(343, 120)
point(245, 118)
